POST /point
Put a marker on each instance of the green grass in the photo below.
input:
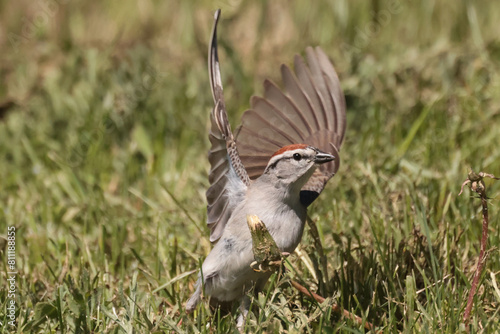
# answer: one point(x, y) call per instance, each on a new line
point(103, 138)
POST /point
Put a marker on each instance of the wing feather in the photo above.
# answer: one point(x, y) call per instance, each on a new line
point(335, 91)
point(300, 99)
point(305, 78)
point(228, 177)
point(310, 110)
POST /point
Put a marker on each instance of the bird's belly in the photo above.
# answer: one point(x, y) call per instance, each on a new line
point(284, 225)
point(232, 255)
point(234, 275)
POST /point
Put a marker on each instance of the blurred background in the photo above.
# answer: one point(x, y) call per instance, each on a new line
point(104, 134)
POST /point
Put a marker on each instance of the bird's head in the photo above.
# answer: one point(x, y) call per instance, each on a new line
point(294, 164)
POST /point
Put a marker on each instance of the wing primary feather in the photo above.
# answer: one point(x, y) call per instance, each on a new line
point(213, 63)
point(295, 93)
point(285, 108)
point(270, 120)
point(335, 91)
point(309, 90)
point(254, 134)
point(316, 77)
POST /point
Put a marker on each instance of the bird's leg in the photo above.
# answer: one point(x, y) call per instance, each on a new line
point(244, 307)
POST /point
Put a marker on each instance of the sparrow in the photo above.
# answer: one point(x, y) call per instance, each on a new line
point(275, 166)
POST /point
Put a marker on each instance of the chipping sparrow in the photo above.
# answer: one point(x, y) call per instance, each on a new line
point(246, 177)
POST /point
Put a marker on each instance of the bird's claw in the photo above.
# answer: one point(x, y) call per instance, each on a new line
point(268, 265)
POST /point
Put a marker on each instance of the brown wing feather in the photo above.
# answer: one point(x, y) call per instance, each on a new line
point(310, 110)
point(333, 84)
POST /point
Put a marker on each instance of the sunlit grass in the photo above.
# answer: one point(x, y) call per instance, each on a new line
point(104, 171)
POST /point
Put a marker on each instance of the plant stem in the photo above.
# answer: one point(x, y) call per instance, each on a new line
point(335, 308)
point(480, 263)
point(477, 185)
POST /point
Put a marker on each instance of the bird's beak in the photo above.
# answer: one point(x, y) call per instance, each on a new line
point(322, 157)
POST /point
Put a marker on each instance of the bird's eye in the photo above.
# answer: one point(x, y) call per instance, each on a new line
point(297, 156)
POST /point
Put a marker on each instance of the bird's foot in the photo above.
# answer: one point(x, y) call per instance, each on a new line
point(269, 264)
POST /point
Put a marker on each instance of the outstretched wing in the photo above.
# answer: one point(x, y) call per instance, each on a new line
point(310, 110)
point(228, 178)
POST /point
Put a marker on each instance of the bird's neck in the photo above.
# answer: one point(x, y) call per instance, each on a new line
point(279, 189)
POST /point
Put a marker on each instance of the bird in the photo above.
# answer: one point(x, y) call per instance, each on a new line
point(274, 166)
